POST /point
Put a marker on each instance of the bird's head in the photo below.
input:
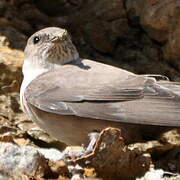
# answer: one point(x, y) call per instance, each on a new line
point(50, 46)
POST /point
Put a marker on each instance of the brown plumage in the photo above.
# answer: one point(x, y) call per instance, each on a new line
point(70, 97)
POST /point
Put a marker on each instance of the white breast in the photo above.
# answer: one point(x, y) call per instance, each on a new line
point(29, 73)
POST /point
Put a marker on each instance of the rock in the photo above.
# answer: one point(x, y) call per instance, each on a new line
point(158, 174)
point(4, 41)
point(16, 160)
point(155, 20)
point(10, 69)
point(9, 107)
point(73, 151)
point(112, 159)
point(167, 141)
point(171, 49)
point(171, 137)
point(160, 20)
point(59, 167)
point(134, 10)
point(153, 174)
point(60, 7)
point(149, 146)
point(12, 37)
point(104, 25)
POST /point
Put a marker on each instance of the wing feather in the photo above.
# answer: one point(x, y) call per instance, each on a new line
point(105, 92)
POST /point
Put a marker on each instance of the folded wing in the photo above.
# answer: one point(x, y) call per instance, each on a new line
point(99, 91)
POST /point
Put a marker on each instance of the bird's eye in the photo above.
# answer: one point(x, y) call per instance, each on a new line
point(36, 39)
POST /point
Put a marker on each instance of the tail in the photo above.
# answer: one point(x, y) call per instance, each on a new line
point(173, 86)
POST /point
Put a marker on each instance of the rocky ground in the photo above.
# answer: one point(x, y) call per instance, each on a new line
point(140, 36)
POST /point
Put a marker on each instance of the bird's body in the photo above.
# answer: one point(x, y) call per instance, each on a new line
point(70, 97)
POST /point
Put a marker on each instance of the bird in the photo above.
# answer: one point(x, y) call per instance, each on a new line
point(73, 98)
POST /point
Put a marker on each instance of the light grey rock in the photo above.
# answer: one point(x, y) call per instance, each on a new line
point(17, 160)
point(51, 154)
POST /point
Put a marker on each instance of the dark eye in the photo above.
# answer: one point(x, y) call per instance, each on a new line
point(36, 39)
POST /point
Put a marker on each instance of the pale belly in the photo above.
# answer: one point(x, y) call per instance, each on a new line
point(74, 130)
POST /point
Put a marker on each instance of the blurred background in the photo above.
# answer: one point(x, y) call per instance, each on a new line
point(142, 36)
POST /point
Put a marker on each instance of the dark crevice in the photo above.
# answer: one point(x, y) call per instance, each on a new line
point(42, 144)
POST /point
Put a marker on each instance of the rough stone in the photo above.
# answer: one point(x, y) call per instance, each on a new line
point(25, 160)
point(112, 159)
point(160, 20)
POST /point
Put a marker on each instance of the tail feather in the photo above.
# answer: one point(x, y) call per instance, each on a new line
point(173, 86)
